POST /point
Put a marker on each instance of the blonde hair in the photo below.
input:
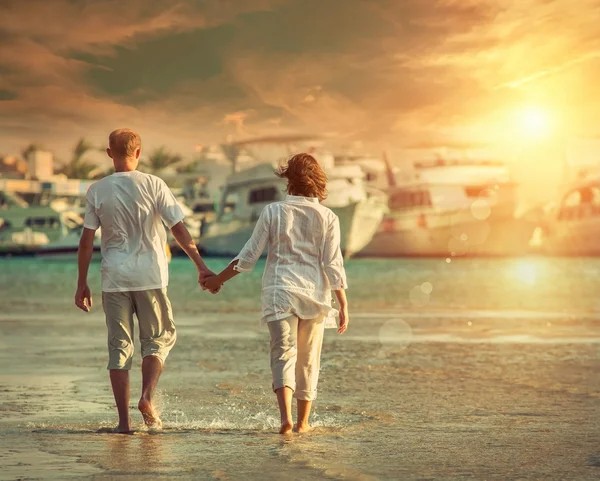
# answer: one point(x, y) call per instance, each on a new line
point(305, 176)
point(124, 142)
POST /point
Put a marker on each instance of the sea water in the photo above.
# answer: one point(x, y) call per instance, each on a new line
point(451, 368)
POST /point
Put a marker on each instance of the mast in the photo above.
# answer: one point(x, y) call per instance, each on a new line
point(389, 170)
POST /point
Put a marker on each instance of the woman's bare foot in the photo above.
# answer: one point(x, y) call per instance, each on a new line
point(286, 427)
point(118, 430)
point(302, 428)
point(151, 419)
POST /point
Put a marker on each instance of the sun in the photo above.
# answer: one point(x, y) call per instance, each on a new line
point(535, 122)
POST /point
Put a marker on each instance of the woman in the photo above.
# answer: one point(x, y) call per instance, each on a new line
point(304, 264)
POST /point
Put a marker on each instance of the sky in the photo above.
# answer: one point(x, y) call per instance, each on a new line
point(408, 76)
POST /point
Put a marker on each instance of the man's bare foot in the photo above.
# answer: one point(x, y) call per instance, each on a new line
point(286, 427)
point(151, 419)
point(123, 430)
point(302, 428)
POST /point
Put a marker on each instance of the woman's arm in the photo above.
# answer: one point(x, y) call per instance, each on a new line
point(333, 261)
point(340, 294)
point(248, 256)
point(251, 252)
point(214, 283)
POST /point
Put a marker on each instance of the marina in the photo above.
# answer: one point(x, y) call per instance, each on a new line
point(441, 207)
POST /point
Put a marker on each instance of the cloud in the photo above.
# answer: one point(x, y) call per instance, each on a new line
point(91, 25)
point(551, 70)
point(41, 66)
point(385, 72)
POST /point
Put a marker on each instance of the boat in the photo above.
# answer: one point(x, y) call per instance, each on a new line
point(39, 230)
point(452, 207)
point(36, 230)
point(570, 226)
point(245, 194)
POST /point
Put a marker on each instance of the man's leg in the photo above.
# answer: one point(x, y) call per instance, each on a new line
point(119, 321)
point(119, 380)
point(151, 370)
point(157, 336)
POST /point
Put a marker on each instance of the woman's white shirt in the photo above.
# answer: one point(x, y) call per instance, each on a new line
point(304, 261)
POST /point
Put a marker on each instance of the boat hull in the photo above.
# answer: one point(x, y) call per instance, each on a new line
point(449, 235)
point(359, 222)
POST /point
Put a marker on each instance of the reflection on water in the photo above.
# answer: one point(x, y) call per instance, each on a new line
point(527, 271)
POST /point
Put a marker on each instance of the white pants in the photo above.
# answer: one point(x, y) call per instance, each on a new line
point(296, 355)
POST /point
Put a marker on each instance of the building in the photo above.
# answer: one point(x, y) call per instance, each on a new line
point(41, 165)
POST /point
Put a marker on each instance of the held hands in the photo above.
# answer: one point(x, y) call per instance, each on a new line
point(204, 276)
point(83, 298)
point(213, 284)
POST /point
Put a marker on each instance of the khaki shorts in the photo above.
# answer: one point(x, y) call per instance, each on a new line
point(155, 320)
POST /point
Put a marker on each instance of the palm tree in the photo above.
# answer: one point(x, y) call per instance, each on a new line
point(231, 151)
point(159, 160)
point(78, 167)
point(191, 167)
point(30, 149)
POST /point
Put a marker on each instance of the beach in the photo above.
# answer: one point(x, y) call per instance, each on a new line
point(451, 369)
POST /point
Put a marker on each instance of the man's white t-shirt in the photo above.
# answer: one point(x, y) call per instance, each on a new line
point(130, 208)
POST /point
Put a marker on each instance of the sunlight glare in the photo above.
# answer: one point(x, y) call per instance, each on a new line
point(535, 122)
point(526, 272)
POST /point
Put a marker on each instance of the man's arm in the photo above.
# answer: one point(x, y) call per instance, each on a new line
point(185, 241)
point(83, 296)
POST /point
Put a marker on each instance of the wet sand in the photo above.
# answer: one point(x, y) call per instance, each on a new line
point(406, 394)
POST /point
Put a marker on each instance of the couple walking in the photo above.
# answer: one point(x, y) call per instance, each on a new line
point(304, 265)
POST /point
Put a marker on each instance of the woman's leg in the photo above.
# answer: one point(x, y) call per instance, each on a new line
point(310, 341)
point(284, 400)
point(283, 366)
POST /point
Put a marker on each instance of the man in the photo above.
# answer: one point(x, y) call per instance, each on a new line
point(131, 207)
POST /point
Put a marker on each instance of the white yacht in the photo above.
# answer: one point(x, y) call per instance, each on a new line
point(571, 226)
point(40, 230)
point(452, 208)
point(246, 193)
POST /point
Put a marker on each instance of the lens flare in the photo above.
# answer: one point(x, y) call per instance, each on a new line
point(526, 272)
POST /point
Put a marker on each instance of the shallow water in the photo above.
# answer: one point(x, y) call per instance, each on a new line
point(483, 369)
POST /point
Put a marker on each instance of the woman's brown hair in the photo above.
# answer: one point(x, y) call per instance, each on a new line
point(305, 176)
